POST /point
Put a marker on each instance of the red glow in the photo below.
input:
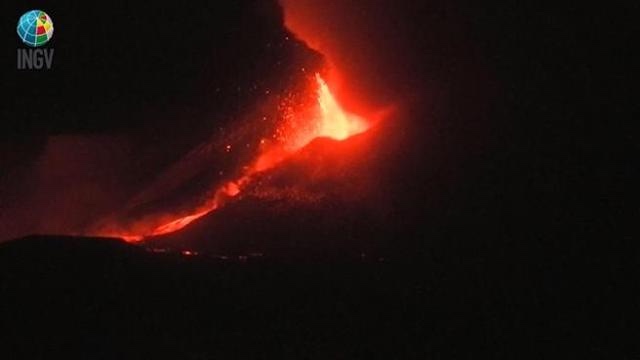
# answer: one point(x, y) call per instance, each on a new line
point(327, 118)
point(324, 117)
point(333, 122)
point(178, 223)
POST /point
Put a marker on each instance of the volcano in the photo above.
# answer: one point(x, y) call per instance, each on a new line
point(304, 163)
point(303, 158)
point(324, 119)
point(155, 178)
point(321, 200)
point(317, 179)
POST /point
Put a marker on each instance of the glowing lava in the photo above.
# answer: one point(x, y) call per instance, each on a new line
point(335, 122)
point(326, 119)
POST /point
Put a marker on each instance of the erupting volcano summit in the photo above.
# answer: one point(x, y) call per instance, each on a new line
point(327, 119)
point(308, 110)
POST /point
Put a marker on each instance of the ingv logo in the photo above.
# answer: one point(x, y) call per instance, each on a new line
point(35, 29)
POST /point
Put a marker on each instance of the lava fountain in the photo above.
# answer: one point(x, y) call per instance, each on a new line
point(332, 121)
point(326, 118)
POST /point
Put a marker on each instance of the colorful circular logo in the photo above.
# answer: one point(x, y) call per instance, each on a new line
point(35, 28)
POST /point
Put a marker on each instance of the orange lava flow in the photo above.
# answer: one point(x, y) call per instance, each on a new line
point(328, 119)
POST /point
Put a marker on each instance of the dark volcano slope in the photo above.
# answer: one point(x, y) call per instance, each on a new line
point(325, 201)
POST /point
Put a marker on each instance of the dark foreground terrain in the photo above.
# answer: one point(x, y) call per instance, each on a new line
point(104, 299)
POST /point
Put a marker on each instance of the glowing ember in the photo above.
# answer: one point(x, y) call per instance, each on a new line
point(326, 119)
